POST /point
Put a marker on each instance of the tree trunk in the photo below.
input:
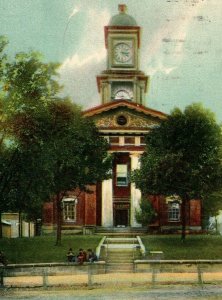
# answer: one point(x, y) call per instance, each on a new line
point(184, 218)
point(20, 224)
point(0, 224)
point(59, 220)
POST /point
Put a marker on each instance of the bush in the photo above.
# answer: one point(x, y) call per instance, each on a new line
point(146, 213)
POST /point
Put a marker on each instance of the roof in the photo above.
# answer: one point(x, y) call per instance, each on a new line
point(122, 19)
point(124, 103)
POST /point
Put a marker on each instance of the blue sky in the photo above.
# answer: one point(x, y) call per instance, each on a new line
point(181, 45)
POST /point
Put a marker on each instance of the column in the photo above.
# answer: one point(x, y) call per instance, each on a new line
point(135, 193)
point(107, 203)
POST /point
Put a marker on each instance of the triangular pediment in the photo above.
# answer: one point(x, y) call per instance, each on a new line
point(138, 117)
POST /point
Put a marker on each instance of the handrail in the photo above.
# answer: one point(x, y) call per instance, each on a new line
point(142, 247)
point(98, 248)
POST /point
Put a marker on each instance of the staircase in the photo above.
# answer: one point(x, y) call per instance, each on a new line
point(127, 231)
point(120, 253)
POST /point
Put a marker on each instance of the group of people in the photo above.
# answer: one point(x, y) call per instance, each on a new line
point(82, 256)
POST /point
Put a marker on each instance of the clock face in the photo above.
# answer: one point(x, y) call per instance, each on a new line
point(123, 53)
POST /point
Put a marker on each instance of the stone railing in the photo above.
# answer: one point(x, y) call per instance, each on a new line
point(151, 272)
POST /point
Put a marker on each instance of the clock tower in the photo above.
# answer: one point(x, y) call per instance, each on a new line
point(122, 80)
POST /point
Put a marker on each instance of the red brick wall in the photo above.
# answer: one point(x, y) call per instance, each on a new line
point(47, 215)
point(195, 213)
point(90, 206)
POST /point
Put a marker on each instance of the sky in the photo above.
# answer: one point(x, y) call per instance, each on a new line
point(181, 46)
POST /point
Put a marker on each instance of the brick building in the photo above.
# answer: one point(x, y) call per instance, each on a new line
point(124, 120)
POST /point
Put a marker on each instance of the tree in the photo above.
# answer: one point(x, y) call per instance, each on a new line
point(27, 85)
point(47, 146)
point(78, 154)
point(146, 213)
point(182, 157)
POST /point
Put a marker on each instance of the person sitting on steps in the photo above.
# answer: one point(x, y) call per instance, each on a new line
point(70, 256)
point(91, 256)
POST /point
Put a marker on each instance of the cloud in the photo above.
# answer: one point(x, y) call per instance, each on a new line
point(78, 72)
point(166, 47)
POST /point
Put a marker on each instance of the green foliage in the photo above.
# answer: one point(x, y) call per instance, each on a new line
point(146, 213)
point(182, 155)
point(47, 147)
point(43, 250)
point(196, 246)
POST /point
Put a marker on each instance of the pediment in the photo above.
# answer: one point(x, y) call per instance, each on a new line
point(137, 117)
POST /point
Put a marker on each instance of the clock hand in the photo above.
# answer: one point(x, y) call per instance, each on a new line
point(125, 53)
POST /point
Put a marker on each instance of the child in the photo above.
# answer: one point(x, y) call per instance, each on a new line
point(70, 255)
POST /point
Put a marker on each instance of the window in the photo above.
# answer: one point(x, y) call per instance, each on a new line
point(114, 140)
point(173, 211)
point(69, 209)
point(121, 175)
point(129, 140)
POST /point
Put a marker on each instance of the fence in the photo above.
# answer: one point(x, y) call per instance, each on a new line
point(151, 272)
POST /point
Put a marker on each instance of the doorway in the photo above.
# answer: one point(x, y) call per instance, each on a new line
point(121, 217)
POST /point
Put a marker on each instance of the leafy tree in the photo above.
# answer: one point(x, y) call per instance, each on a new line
point(146, 213)
point(47, 147)
point(78, 153)
point(27, 85)
point(182, 157)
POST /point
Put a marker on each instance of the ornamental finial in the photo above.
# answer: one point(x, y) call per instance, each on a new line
point(122, 8)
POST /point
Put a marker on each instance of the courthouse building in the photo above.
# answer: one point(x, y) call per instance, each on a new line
point(123, 120)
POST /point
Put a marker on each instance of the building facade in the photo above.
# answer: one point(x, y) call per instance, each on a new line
point(123, 119)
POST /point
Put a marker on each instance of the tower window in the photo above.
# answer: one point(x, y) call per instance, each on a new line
point(121, 175)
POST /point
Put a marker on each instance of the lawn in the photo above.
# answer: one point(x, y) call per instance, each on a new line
point(194, 247)
point(43, 249)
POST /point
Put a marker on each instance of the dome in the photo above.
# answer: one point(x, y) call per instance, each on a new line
point(122, 19)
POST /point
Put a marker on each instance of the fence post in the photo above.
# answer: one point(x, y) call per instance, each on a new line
point(90, 275)
point(153, 276)
point(199, 273)
point(45, 278)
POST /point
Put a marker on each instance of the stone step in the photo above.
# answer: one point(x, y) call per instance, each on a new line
point(122, 246)
point(121, 240)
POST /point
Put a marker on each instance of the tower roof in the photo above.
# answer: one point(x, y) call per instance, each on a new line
point(122, 18)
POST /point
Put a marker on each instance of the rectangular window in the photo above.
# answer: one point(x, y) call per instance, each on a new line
point(114, 140)
point(129, 140)
point(173, 212)
point(69, 210)
point(121, 175)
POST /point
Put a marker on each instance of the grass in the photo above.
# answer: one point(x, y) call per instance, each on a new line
point(43, 249)
point(194, 247)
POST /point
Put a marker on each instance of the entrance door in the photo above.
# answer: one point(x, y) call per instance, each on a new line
point(121, 217)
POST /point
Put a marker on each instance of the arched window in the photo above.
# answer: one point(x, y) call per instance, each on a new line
point(174, 204)
point(69, 209)
point(173, 211)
